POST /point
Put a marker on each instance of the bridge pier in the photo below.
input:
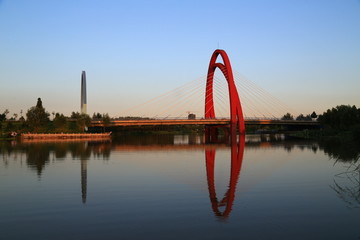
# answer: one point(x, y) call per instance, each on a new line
point(211, 134)
point(229, 133)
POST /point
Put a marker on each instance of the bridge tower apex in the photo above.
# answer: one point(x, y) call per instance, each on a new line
point(236, 114)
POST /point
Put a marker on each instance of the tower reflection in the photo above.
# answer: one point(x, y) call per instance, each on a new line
point(83, 179)
point(237, 154)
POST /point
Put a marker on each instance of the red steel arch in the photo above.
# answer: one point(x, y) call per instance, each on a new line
point(236, 114)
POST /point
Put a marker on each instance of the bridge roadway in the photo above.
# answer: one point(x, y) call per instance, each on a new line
point(207, 122)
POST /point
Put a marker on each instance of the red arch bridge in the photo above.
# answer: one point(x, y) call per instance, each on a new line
point(236, 122)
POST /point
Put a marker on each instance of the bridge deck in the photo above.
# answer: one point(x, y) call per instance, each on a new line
point(157, 122)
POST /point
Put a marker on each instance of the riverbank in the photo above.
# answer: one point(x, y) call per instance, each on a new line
point(326, 134)
point(65, 135)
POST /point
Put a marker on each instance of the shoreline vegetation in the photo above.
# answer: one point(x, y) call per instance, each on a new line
point(341, 122)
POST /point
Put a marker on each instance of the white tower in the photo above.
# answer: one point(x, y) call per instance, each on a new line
point(83, 93)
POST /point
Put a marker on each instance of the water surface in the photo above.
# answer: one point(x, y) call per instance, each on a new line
point(177, 187)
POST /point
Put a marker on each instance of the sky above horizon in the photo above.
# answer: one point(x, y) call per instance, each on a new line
point(305, 53)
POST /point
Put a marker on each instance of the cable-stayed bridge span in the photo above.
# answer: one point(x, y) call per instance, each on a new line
point(205, 122)
point(257, 107)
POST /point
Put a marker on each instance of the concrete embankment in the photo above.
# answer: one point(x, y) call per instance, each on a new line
point(64, 135)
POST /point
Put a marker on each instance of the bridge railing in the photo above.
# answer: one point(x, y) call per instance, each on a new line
point(197, 119)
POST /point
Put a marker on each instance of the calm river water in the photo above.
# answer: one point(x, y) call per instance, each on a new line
point(177, 187)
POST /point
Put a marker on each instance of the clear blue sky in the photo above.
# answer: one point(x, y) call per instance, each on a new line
point(306, 53)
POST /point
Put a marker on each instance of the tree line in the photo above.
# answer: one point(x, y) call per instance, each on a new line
point(301, 117)
point(38, 121)
point(343, 120)
point(339, 118)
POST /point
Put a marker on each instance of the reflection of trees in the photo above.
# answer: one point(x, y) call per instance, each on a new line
point(100, 150)
point(37, 157)
point(80, 150)
point(347, 183)
point(339, 150)
point(60, 151)
point(5, 150)
point(38, 153)
point(237, 153)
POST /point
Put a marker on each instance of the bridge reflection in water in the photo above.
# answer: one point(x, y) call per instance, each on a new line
point(84, 150)
point(237, 154)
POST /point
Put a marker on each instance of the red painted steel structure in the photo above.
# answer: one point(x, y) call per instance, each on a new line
point(237, 154)
point(236, 114)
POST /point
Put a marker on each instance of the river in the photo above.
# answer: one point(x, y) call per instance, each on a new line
point(178, 187)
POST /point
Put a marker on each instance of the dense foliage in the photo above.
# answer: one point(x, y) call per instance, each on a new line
point(3, 115)
point(37, 120)
point(301, 117)
point(37, 117)
point(287, 116)
point(343, 117)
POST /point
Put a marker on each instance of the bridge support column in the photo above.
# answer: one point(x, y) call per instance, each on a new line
point(228, 134)
point(211, 134)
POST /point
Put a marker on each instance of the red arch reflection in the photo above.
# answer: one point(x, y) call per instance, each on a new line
point(237, 154)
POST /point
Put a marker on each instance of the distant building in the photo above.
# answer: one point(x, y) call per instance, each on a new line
point(191, 116)
point(83, 93)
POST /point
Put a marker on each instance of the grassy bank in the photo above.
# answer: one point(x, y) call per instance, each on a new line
point(328, 134)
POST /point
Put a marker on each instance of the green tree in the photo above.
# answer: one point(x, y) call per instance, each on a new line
point(81, 120)
point(106, 120)
point(8, 127)
point(3, 115)
point(287, 116)
point(39, 103)
point(314, 115)
point(97, 116)
point(37, 117)
point(341, 117)
point(60, 122)
point(301, 117)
